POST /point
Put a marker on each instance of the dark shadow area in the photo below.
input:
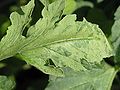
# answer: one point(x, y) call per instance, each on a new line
point(31, 79)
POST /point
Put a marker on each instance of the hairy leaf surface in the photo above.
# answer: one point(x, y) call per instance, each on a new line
point(54, 42)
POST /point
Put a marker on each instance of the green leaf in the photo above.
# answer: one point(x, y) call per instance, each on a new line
point(99, 1)
point(98, 78)
point(45, 2)
point(72, 5)
point(6, 83)
point(66, 45)
point(117, 14)
point(53, 43)
point(116, 35)
point(11, 43)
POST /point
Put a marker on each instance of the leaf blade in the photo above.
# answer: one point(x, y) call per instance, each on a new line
point(11, 42)
point(65, 49)
point(6, 83)
point(93, 79)
point(53, 43)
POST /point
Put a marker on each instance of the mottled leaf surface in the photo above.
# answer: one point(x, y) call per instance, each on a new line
point(6, 83)
point(54, 42)
point(66, 43)
point(98, 78)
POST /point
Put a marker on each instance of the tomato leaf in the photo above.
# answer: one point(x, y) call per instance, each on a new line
point(54, 42)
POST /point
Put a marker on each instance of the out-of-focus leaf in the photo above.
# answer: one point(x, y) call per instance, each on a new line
point(99, 1)
point(72, 5)
point(6, 83)
point(116, 35)
point(23, 2)
point(98, 78)
point(2, 65)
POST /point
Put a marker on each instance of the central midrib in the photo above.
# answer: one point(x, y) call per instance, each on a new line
point(59, 41)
